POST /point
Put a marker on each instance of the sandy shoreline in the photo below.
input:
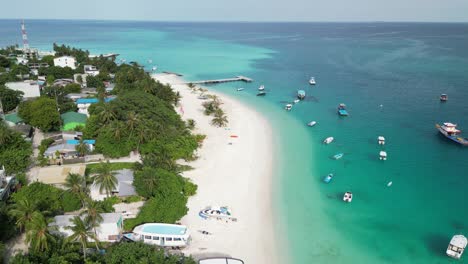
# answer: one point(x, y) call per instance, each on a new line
point(237, 175)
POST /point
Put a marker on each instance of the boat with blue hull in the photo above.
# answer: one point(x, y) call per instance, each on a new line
point(342, 110)
point(301, 94)
point(450, 131)
point(328, 178)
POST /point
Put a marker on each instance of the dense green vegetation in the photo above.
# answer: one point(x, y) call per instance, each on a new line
point(41, 113)
point(14, 150)
point(141, 119)
point(10, 98)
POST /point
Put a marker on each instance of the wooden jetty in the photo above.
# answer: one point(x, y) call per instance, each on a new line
point(235, 79)
point(173, 73)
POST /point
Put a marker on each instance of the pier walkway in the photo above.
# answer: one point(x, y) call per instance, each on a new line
point(235, 79)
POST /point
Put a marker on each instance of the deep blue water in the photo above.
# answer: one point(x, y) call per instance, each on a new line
point(402, 66)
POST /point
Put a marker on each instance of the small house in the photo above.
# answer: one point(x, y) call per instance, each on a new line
point(109, 230)
point(124, 186)
point(29, 88)
point(71, 120)
point(90, 70)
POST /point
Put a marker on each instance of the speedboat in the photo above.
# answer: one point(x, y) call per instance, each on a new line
point(261, 88)
point(312, 81)
point(261, 93)
point(451, 132)
point(348, 197)
point(338, 156)
point(215, 212)
point(328, 178)
point(240, 89)
point(301, 94)
point(311, 124)
point(383, 155)
point(297, 101)
point(381, 140)
point(443, 97)
point(288, 107)
point(457, 246)
point(342, 110)
point(328, 140)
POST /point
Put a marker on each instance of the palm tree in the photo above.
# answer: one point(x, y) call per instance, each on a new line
point(118, 129)
point(23, 211)
point(82, 231)
point(105, 178)
point(5, 134)
point(93, 211)
point(191, 124)
point(133, 120)
point(220, 119)
point(76, 184)
point(106, 113)
point(82, 148)
point(38, 235)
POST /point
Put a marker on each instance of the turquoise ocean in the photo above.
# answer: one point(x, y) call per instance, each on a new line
point(390, 75)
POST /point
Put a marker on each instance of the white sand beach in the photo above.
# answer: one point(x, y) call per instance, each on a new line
point(237, 175)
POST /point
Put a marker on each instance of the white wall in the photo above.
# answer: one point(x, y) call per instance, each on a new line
point(65, 61)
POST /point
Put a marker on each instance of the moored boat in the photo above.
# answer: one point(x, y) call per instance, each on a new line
point(450, 131)
point(348, 197)
point(240, 89)
point(383, 155)
point(312, 81)
point(338, 156)
point(160, 234)
point(296, 101)
point(328, 178)
point(261, 93)
point(301, 94)
point(261, 88)
point(328, 140)
point(456, 246)
point(288, 107)
point(443, 97)
point(381, 140)
point(312, 123)
point(342, 110)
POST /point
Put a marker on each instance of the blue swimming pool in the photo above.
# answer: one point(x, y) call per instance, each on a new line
point(164, 229)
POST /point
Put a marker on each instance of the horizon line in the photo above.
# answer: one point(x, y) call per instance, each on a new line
point(241, 21)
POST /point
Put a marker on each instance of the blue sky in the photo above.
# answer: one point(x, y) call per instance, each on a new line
point(240, 10)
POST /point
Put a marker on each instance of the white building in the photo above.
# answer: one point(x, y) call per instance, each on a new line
point(29, 88)
point(6, 184)
point(109, 230)
point(65, 61)
point(124, 186)
point(91, 70)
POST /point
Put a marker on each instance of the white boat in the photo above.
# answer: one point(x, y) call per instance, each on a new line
point(154, 68)
point(297, 101)
point(312, 81)
point(381, 140)
point(216, 212)
point(383, 155)
point(164, 235)
point(311, 124)
point(240, 89)
point(288, 107)
point(328, 140)
point(150, 61)
point(389, 184)
point(457, 246)
point(348, 197)
point(261, 88)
